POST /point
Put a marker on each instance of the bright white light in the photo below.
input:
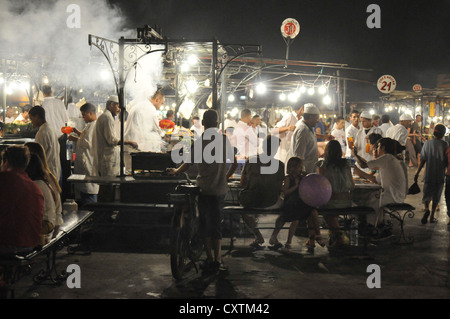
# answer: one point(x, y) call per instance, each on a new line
point(231, 98)
point(104, 74)
point(322, 89)
point(184, 67)
point(327, 100)
point(81, 91)
point(45, 80)
point(207, 83)
point(234, 111)
point(282, 97)
point(292, 97)
point(418, 109)
point(25, 85)
point(371, 112)
point(9, 90)
point(302, 89)
point(191, 86)
point(192, 59)
point(2, 80)
point(261, 88)
point(311, 91)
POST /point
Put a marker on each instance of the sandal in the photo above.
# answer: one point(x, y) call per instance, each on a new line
point(276, 246)
point(424, 219)
point(256, 245)
point(434, 220)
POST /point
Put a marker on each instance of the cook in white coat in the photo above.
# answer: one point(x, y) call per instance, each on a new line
point(84, 160)
point(284, 130)
point(105, 143)
point(47, 137)
point(55, 110)
point(142, 125)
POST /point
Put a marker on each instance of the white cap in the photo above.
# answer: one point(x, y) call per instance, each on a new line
point(366, 115)
point(113, 98)
point(406, 117)
point(311, 109)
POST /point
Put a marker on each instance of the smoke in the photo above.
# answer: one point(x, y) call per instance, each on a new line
point(47, 31)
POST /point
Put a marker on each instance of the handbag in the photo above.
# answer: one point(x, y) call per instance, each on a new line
point(414, 189)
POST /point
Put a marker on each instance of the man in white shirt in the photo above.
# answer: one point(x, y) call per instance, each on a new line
point(386, 123)
point(84, 161)
point(361, 140)
point(142, 124)
point(105, 143)
point(47, 138)
point(339, 134)
point(352, 131)
point(400, 133)
point(9, 116)
point(284, 130)
point(246, 139)
point(55, 111)
point(304, 140)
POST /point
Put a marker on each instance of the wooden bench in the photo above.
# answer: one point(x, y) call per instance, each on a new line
point(360, 211)
point(14, 266)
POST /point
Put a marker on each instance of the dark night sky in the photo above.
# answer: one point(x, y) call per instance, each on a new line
point(413, 43)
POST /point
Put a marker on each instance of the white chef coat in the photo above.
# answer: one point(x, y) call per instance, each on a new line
point(105, 145)
point(49, 141)
point(55, 114)
point(73, 111)
point(246, 140)
point(304, 146)
point(385, 126)
point(339, 135)
point(142, 127)
point(84, 159)
point(398, 133)
point(283, 153)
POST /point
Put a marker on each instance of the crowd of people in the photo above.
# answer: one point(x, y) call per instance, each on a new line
point(296, 146)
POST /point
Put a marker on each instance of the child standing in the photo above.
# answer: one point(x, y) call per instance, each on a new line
point(294, 209)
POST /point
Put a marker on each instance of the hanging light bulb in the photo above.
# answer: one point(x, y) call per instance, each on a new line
point(311, 91)
point(261, 88)
point(282, 97)
point(322, 89)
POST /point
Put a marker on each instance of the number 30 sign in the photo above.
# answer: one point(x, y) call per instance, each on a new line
point(386, 84)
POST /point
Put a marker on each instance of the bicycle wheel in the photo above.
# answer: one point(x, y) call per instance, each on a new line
point(186, 245)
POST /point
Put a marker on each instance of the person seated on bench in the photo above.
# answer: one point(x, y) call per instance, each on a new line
point(338, 171)
point(262, 178)
point(21, 203)
point(37, 173)
point(390, 176)
point(36, 148)
point(294, 209)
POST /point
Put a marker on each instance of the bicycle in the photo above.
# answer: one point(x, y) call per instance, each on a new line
point(186, 245)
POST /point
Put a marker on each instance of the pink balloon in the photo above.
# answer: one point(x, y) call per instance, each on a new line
point(315, 190)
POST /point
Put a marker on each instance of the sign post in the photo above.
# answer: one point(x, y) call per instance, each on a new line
point(290, 28)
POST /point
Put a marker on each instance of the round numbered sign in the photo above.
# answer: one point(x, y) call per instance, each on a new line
point(386, 84)
point(290, 28)
point(417, 88)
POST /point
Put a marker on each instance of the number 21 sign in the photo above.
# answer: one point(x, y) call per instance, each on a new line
point(386, 84)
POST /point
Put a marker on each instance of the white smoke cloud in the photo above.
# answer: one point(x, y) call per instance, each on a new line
point(41, 29)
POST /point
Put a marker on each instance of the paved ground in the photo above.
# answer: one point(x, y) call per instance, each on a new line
point(419, 270)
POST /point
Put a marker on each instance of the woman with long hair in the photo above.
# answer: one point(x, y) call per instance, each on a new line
point(40, 177)
point(338, 172)
point(36, 148)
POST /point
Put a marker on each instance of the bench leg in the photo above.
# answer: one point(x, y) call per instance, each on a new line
point(400, 217)
point(50, 273)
